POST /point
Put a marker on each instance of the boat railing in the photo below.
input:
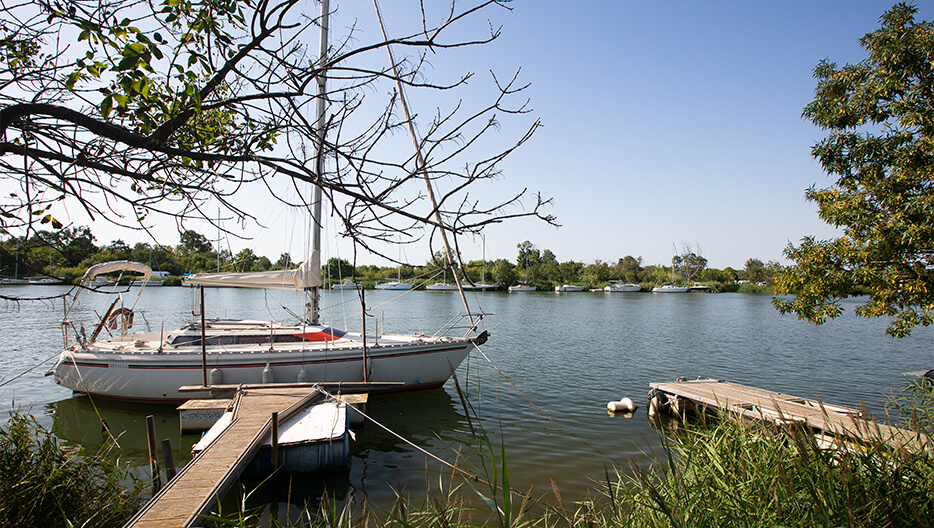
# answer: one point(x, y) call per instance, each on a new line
point(457, 323)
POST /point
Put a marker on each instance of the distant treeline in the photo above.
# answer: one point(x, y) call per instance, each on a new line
point(69, 252)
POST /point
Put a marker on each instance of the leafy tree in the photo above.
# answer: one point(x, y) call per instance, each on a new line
point(195, 242)
point(157, 108)
point(628, 269)
point(338, 269)
point(755, 270)
point(598, 272)
point(76, 244)
point(879, 114)
point(528, 256)
point(284, 262)
point(504, 272)
point(245, 260)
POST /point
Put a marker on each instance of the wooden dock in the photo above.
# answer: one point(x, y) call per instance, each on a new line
point(196, 489)
point(777, 408)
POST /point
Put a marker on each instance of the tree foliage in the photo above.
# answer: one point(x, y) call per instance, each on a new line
point(879, 114)
point(133, 111)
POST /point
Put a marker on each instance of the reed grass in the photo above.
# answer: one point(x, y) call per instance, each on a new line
point(43, 485)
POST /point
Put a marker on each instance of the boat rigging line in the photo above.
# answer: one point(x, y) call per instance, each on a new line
point(543, 413)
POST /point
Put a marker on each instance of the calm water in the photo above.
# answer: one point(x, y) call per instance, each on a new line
point(568, 353)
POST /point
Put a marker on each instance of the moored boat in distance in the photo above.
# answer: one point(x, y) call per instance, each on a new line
point(394, 285)
point(46, 281)
point(441, 286)
point(619, 286)
point(481, 287)
point(568, 288)
point(522, 287)
point(669, 287)
point(346, 285)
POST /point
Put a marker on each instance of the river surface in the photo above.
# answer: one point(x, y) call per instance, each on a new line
point(568, 354)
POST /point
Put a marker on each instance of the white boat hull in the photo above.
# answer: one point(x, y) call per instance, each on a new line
point(668, 288)
point(522, 288)
point(440, 286)
point(481, 287)
point(394, 286)
point(132, 368)
point(568, 288)
point(622, 287)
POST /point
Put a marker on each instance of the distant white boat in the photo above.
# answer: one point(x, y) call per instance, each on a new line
point(519, 288)
point(622, 287)
point(669, 287)
point(346, 285)
point(101, 281)
point(568, 288)
point(441, 286)
point(46, 281)
point(149, 284)
point(481, 287)
point(394, 285)
point(13, 282)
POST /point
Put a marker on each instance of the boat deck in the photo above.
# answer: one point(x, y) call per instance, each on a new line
point(778, 408)
point(195, 490)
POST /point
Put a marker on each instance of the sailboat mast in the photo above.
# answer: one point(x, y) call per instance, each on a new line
point(312, 306)
point(449, 255)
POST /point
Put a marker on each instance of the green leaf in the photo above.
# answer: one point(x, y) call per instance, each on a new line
point(107, 106)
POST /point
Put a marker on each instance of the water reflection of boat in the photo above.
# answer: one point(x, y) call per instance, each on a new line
point(81, 421)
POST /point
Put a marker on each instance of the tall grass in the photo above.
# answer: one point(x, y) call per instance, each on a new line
point(43, 485)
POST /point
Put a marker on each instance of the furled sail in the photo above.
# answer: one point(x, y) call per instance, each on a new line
point(308, 275)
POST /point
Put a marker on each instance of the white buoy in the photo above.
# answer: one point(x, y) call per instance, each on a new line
point(268, 376)
point(624, 405)
point(302, 376)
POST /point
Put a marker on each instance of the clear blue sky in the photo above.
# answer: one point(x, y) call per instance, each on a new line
point(664, 122)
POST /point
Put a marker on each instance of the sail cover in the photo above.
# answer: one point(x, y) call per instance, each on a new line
point(308, 275)
point(117, 265)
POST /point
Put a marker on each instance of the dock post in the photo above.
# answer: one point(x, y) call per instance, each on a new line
point(168, 459)
point(153, 457)
point(274, 441)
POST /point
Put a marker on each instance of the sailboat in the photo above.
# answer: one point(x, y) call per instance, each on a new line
point(396, 284)
point(482, 285)
point(670, 287)
point(15, 280)
point(442, 286)
point(51, 280)
point(151, 366)
point(523, 286)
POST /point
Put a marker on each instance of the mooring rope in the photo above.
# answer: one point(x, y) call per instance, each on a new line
point(27, 371)
point(539, 409)
point(453, 467)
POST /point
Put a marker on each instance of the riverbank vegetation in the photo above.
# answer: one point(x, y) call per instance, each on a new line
point(45, 484)
point(67, 253)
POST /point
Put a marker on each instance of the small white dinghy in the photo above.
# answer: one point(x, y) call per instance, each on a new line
point(317, 438)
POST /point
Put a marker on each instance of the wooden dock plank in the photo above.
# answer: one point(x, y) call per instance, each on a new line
point(209, 475)
point(774, 407)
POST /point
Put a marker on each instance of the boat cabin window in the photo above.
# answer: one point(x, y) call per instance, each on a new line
point(325, 334)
